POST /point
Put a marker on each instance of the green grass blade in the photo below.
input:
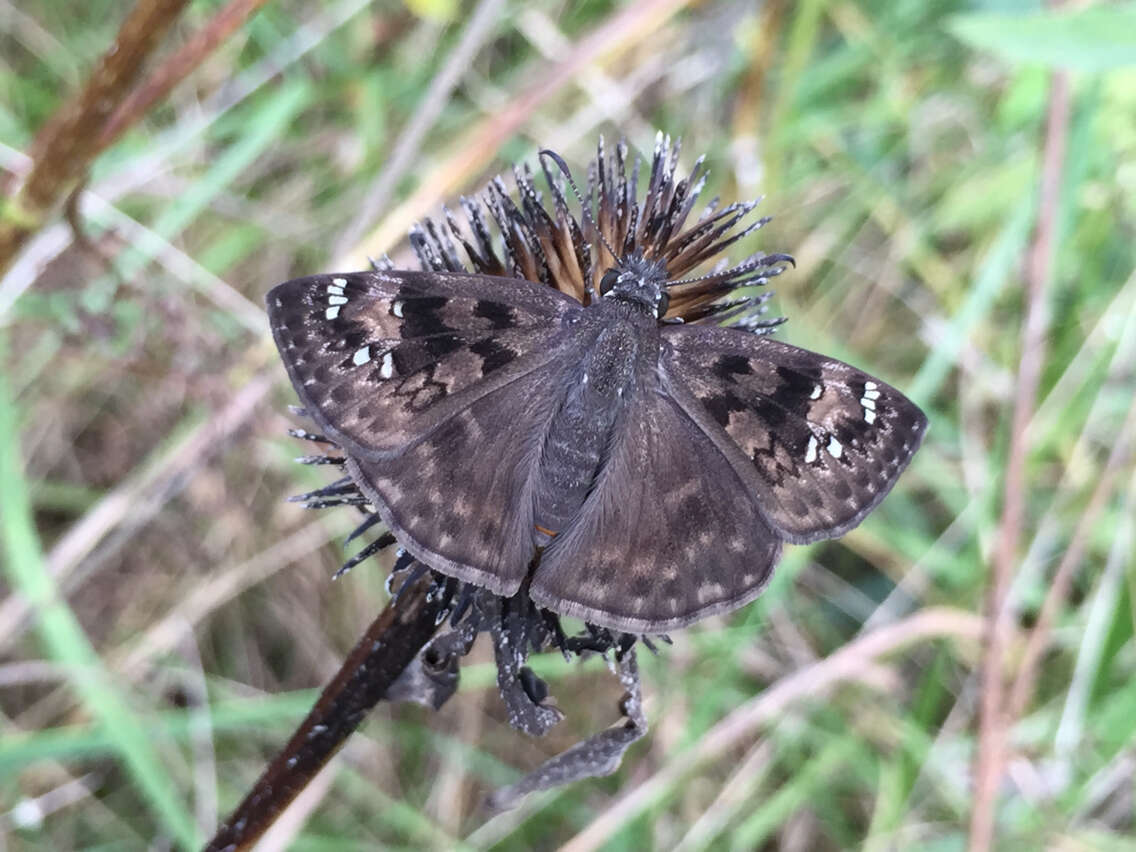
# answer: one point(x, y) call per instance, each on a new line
point(1000, 263)
point(65, 641)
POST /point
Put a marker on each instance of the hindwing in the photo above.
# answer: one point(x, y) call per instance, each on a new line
point(668, 533)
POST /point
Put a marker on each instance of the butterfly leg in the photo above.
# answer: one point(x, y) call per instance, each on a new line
point(598, 755)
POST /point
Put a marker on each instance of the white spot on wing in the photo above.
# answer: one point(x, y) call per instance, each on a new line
point(362, 356)
point(396, 309)
point(332, 313)
point(817, 391)
point(387, 369)
point(834, 448)
point(811, 452)
point(337, 300)
point(709, 592)
point(339, 282)
point(868, 400)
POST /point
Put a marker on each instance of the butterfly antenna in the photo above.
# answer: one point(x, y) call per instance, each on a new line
point(584, 208)
point(748, 266)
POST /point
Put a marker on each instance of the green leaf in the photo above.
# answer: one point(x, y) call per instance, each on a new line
point(1097, 38)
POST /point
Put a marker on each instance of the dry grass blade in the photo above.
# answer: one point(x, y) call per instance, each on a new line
point(991, 756)
point(220, 588)
point(480, 26)
point(119, 510)
point(476, 149)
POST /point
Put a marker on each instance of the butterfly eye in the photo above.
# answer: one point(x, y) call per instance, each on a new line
point(663, 303)
point(608, 281)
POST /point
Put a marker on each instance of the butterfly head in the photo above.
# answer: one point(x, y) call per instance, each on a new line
point(639, 281)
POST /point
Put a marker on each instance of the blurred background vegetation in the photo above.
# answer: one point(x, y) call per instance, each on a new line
point(166, 618)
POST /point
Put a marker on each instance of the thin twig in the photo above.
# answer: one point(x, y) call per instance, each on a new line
point(176, 68)
point(390, 644)
point(991, 755)
point(729, 736)
point(66, 145)
point(160, 83)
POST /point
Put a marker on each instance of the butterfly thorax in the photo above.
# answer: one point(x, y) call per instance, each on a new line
point(595, 396)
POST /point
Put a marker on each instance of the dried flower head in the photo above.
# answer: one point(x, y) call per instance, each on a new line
point(556, 248)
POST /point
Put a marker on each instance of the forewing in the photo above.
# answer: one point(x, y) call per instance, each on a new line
point(668, 534)
point(379, 359)
point(818, 443)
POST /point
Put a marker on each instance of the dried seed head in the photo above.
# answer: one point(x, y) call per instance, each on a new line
point(548, 244)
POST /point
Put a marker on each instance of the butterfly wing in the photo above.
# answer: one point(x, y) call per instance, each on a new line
point(461, 498)
point(436, 385)
point(817, 442)
point(668, 533)
point(379, 359)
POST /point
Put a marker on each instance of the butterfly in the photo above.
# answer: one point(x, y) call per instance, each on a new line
point(636, 473)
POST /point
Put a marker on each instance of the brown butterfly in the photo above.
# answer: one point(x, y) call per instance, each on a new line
point(654, 466)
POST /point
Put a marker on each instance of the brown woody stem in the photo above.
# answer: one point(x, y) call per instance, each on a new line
point(390, 644)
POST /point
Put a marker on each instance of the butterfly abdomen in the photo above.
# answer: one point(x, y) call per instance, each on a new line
point(580, 433)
